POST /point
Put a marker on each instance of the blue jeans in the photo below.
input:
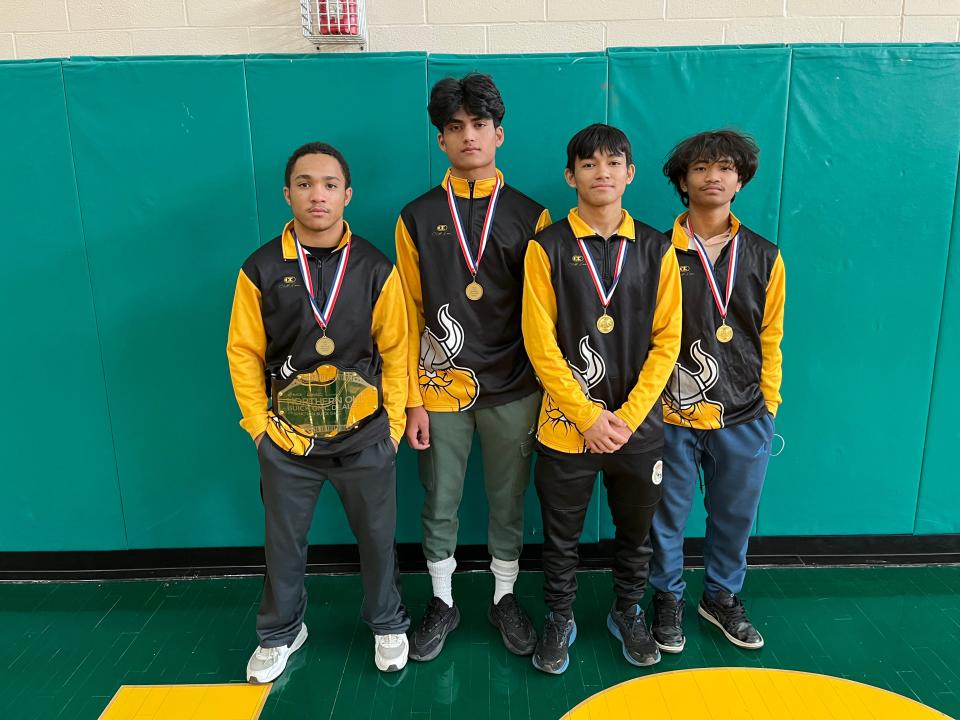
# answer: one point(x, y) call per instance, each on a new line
point(734, 463)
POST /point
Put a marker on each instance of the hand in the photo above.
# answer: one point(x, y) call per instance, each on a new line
point(396, 445)
point(608, 434)
point(257, 439)
point(418, 428)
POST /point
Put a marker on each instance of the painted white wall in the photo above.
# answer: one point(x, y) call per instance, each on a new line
point(54, 28)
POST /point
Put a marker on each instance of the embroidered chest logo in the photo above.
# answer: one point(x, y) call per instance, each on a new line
point(288, 281)
point(577, 260)
point(440, 230)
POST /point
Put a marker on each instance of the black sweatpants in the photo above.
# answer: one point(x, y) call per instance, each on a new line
point(367, 485)
point(564, 483)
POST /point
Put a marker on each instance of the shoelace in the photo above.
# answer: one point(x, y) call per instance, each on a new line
point(736, 613)
point(668, 613)
point(433, 616)
point(390, 641)
point(636, 625)
point(267, 653)
point(510, 612)
point(554, 631)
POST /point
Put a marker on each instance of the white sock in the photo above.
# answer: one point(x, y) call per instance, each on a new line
point(505, 575)
point(441, 573)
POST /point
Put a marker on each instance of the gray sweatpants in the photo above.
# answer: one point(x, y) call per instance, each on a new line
point(290, 486)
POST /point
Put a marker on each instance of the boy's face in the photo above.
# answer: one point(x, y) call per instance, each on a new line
point(470, 142)
point(711, 184)
point(317, 193)
point(602, 179)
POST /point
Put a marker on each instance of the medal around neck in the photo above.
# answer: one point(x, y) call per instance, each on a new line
point(473, 291)
point(325, 346)
point(724, 332)
point(605, 323)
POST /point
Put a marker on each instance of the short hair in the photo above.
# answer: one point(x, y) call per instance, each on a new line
point(712, 146)
point(316, 148)
point(598, 137)
point(476, 93)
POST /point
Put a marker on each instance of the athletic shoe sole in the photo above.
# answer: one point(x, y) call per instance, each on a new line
point(297, 644)
point(443, 639)
point(706, 615)
point(566, 663)
point(672, 649)
point(615, 631)
point(522, 652)
point(393, 667)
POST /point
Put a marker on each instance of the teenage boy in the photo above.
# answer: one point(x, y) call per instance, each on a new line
point(317, 350)
point(601, 323)
point(460, 253)
point(723, 394)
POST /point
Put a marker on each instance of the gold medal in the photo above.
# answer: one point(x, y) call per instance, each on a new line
point(605, 324)
point(474, 290)
point(724, 333)
point(325, 346)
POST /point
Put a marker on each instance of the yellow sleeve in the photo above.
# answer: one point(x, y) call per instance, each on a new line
point(664, 345)
point(246, 350)
point(408, 265)
point(771, 334)
point(540, 339)
point(390, 333)
point(543, 221)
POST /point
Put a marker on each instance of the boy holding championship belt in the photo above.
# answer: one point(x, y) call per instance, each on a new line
point(318, 352)
point(460, 253)
point(723, 394)
point(601, 323)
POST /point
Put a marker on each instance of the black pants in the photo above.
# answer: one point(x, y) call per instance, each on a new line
point(290, 485)
point(564, 483)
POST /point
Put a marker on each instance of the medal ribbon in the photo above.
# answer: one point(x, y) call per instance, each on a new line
point(473, 265)
point(322, 317)
point(724, 304)
point(605, 295)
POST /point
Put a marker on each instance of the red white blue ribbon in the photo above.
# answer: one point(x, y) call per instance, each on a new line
point(722, 300)
point(605, 295)
point(322, 316)
point(473, 265)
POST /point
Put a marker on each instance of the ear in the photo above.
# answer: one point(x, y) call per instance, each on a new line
point(683, 184)
point(440, 142)
point(739, 187)
point(631, 171)
point(569, 177)
point(286, 195)
point(500, 136)
point(348, 195)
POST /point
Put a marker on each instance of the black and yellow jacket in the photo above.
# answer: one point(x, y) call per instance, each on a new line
point(581, 369)
point(717, 384)
point(466, 354)
point(273, 334)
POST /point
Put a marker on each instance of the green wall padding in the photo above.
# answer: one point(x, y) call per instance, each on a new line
point(939, 492)
point(59, 478)
point(162, 175)
point(868, 197)
point(548, 98)
point(165, 178)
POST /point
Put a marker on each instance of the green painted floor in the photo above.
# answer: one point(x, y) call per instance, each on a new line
point(67, 647)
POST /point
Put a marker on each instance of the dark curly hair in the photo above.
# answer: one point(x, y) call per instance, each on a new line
point(710, 147)
point(476, 93)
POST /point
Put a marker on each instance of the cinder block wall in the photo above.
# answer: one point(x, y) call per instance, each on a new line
point(49, 28)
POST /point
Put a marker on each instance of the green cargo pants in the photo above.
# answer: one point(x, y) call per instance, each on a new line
point(506, 440)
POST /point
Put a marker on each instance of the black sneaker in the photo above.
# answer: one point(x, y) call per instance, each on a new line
point(630, 628)
point(726, 611)
point(552, 653)
point(514, 625)
point(439, 620)
point(667, 628)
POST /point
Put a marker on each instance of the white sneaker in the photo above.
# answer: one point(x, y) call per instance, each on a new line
point(266, 664)
point(390, 652)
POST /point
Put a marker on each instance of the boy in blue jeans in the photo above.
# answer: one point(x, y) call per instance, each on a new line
point(722, 397)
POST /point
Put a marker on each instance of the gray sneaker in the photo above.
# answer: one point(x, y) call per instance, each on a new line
point(266, 664)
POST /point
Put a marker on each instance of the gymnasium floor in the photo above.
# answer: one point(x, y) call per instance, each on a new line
point(68, 647)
